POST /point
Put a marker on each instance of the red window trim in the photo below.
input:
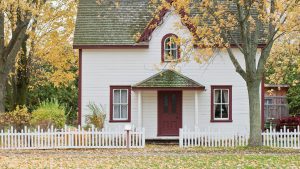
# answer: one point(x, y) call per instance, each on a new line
point(228, 87)
point(163, 47)
point(111, 119)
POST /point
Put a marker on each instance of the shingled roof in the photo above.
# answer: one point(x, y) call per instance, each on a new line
point(168, 79)
point(108, 24)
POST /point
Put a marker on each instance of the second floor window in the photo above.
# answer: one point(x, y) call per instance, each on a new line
point(170, 49)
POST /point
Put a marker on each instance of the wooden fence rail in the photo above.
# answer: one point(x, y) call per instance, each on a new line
point(68, 138)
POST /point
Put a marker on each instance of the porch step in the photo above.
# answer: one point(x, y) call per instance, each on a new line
point(162, 142)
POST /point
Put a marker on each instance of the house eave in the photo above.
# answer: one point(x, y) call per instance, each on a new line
point(134, 46)
point(168, 88)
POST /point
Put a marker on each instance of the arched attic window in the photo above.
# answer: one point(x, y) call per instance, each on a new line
point(170, 51)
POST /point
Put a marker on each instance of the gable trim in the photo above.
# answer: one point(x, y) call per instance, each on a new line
point(184, 20)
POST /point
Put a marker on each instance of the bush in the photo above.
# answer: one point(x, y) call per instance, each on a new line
point(290, 123)
point(48, 114)
point(97, 117)
point(18, 118)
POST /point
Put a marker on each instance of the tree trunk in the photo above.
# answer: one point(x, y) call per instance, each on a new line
point(21, 78)
point(2, 93)
point(255, 113)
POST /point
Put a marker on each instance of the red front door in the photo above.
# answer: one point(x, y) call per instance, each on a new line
point(169, 113)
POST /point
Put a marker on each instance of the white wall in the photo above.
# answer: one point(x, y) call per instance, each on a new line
point(104, 67)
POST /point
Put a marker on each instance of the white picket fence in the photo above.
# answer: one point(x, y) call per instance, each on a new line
point(211, 138)
point(68, 138)
point(283, 139)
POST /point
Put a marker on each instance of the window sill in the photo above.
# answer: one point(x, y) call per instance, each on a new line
point(119, 121)
point(220, 121)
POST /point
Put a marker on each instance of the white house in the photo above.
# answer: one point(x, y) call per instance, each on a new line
point(123, 76)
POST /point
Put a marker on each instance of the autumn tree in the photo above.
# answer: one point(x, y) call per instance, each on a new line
point(15, 20)
point(45, 56)
point(257, 23)
point(283, 67)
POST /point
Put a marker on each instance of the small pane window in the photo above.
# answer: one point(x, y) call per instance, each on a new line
point(173, 103)
point(170, 48)
point(166, 104)
point(120, 104)
point(221, 108)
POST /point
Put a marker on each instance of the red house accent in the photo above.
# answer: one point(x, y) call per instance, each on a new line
point(80, 88)
point(111, 103)
point(169, 113)
point(212, 102)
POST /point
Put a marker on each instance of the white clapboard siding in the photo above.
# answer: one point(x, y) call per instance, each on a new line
point(284, 138)
point(211, 138)
point(67, 138)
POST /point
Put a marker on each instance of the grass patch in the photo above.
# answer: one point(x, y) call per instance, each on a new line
point(154, 156)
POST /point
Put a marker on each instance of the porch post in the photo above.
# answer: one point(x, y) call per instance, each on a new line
point(140, 108)
point(196, 109)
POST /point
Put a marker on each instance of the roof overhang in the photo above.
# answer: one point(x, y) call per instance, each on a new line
point(277, 86)
point(168, 80)
point(168, 88)
point(134, 46)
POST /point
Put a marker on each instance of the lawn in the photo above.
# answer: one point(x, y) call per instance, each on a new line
point(153, 157)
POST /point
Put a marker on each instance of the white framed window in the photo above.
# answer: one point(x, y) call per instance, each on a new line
point(120, 104)
point(221, 103)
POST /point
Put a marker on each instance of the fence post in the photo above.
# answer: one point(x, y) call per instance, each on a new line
point(128, 140)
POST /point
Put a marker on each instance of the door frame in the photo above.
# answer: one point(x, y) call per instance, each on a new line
point(180, 113)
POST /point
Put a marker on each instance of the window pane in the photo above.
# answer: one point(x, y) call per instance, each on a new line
point(117, 96)
point(173, 103)
point(124, 111)
point(217, 96)
point(225, 98)
point(167, 55)
point(174, 54)
point(166, 103)
point(225, 111)
point(217, 111)
point(124, 96)
point(117, 111)
point(167, 43)
point(173, 43)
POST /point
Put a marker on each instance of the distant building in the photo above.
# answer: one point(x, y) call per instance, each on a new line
point(276, 105)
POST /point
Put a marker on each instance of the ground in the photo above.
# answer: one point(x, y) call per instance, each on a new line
point(153, 156)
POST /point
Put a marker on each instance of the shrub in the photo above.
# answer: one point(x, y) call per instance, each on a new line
point(49, 113)
point(97, 116)
point(17, 118)
point(290, 123)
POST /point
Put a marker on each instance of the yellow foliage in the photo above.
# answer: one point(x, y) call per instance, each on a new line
point(52, 43)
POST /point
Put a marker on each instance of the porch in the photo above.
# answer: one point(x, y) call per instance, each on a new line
point(167, 102)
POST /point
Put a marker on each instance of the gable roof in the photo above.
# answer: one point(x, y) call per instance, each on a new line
point(108, 24)
point(168, 79)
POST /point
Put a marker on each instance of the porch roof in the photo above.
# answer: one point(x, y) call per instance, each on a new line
point(168, 79)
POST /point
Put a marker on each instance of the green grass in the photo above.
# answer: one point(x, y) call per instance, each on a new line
point(153, 157)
